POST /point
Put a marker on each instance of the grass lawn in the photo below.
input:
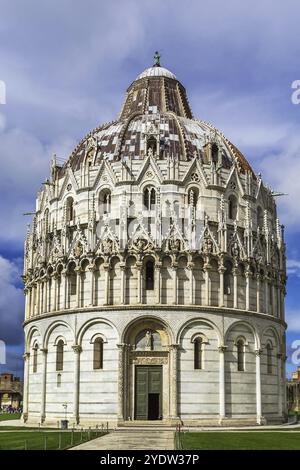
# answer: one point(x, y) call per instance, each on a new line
point(37, 440)
point(241, 441)
point(8, 416)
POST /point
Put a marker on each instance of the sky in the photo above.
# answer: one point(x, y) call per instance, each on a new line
point(67, 64)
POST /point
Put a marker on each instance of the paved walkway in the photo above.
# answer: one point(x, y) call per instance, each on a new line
point(131, 440)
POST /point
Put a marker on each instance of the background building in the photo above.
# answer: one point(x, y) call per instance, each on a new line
point(155, 275)
point(11, 391)
point(293, 391)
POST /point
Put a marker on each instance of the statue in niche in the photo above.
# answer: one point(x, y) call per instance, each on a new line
point(207, 245)
point(78, 250)
point(235, 250)
point(148, 341)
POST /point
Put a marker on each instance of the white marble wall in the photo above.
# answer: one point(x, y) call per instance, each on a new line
point(198, 395)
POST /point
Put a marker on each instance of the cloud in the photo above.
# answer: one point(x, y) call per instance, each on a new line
point(293, 267)
point(293, 320)
point(25, 165)
point(11, 302)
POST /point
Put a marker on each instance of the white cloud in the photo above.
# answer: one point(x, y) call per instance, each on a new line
point(293, 321)
point(282, 170)
point(11, 302)
point(293, 267)
point(25, 164)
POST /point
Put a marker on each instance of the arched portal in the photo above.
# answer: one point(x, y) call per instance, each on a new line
point(148, 364)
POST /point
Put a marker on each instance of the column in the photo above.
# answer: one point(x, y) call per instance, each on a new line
point(92, 284)
point(77, 350)
point(78, 285)
point(258, 353)
point(41, 296)
point(38, 302)
point(257, 292)
point(190, 267)
point(157, 284)
point(284, 397)
point(274, 297)
point(221, 290)
point(266, 295)
point(222, 396)
point(126, 381)
point(175, 289)
point(173, 380)
point(45, 294)
point(64, 284)
point(34, 296)
point(278, 310)
point(29, 300)
point(235, 287)
point(279, 378)
point(44, 385)
point(139, 269)
point(206, 268)
point(26, 302)
point(247, 275)
point(123, 282)
point(26, 358)
point(107, 284)
point(50, 289)
point(55, 288)
point(121, 382)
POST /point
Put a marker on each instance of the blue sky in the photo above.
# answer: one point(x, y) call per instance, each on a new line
point(66, 66)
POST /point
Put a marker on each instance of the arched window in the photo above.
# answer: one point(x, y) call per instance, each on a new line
point(58, 380)
point(198, 353)
point(60, 355)
point(105, 202)
point(98, 354)
point(227, 278)
point(240, 345)
point(269, 359)
point(72, 280)
point(70, 209)
point(232, 207)
point(46, 220)
point(193, 197)
point(149, 275)
point(214, 153)
point(35, 358)
point(260, 217)
point(149, 198)
point(152, 144)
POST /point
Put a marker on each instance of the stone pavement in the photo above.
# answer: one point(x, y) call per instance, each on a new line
point(131, 440)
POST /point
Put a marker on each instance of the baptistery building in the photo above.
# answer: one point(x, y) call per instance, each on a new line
point(155, 275)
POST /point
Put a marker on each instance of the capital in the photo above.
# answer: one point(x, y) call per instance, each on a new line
point(77, 348)
point(26, 356)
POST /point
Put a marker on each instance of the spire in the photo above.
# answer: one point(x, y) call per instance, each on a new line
point(156, 59)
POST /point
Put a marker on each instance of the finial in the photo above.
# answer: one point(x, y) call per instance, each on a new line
point(156, 59)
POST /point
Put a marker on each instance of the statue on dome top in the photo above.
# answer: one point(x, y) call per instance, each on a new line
point(156, 59)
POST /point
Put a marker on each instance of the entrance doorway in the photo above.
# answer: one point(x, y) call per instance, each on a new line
point(148, 392)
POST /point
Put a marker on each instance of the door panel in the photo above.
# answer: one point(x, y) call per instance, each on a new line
point(141, 393)
point(148, 386)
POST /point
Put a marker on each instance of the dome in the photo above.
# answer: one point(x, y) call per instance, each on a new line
point(156, 101)
point(156, 72)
